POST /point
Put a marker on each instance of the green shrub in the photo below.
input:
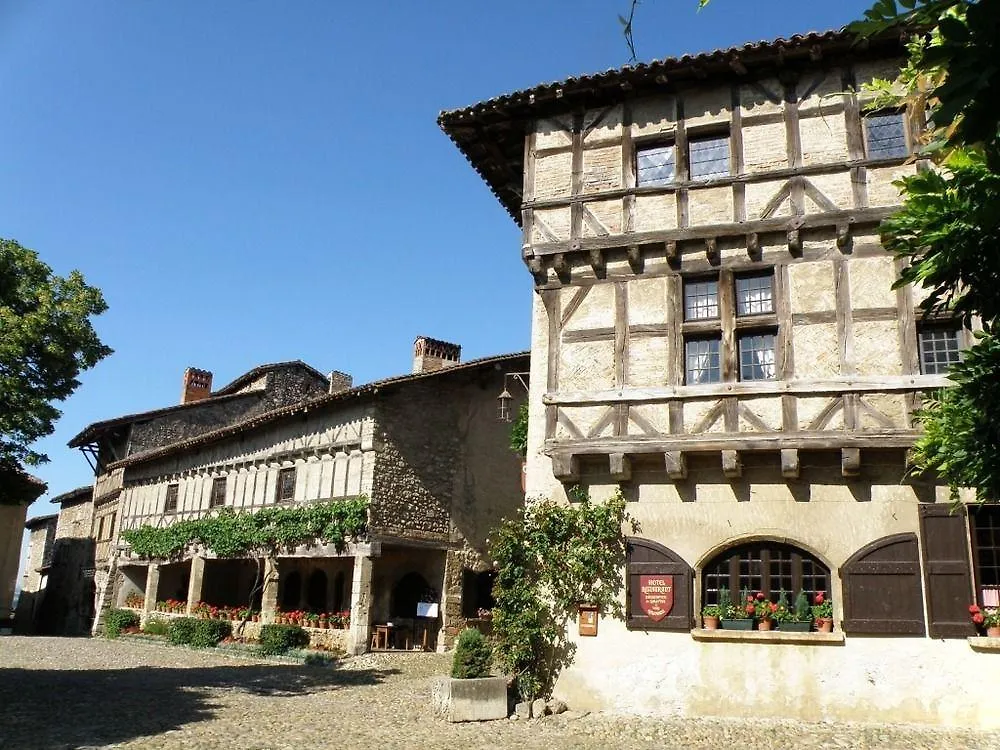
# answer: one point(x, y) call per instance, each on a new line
point(117, 620)
point(208, 633)
point(180, 631)
point(472, 656)
point(277, 639)
point(155, 626)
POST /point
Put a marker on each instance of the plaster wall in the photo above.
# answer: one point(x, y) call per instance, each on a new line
point(12, 518)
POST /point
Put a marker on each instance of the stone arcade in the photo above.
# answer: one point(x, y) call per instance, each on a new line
point(715, 330)
point(425, 448)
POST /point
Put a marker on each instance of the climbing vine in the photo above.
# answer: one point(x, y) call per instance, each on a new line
point(261, 533)
point(549, 558)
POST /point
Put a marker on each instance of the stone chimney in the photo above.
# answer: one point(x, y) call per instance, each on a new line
point(339, 381)
point(197, 385)
point(430, 354)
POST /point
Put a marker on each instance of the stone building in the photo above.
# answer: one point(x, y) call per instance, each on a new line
point(41, 541)
point(425, 448)
point(18, 490)
point(715, 332)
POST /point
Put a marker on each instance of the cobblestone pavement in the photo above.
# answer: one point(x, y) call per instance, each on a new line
point(84, 693)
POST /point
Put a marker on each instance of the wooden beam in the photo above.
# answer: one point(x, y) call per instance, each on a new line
point(843, 236)
point(634, 255)
point(676, 464)
point(561, 266)
point(794, 239)
point(620, 466)
point(850, 462)
point(712, 250)
point(789, 463)
point(732, 466)
point(565, 467)
point(597, 263)
point(753, 246)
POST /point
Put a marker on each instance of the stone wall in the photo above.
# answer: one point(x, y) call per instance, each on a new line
point(41, 541)
point(68, 606)
point(12, 519)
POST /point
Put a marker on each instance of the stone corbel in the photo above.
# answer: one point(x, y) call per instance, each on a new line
point(843, 236)
point(789, 463)
point(753, 246)
point(561, 266)
point(621, 467)
point(672, 252)
point(850, 462)
point(732, 465)
point(598, 263)
point(634, 258)
point(676, 464)
point(565, 467)
point(712, 250)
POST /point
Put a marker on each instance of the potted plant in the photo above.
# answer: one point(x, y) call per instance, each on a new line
point(798, 617)
point(764, 611)
point(987, 618)
point(710, 616)
point(737, 615)
point(324, 620)
point(822, 612)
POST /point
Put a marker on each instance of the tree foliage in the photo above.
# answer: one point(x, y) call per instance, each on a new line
point(46, 341)
point(549, 558)
point(948, 229)
point(259, 534)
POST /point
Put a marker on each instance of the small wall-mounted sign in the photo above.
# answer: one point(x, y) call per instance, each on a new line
point(587, 619)
point(656, 595)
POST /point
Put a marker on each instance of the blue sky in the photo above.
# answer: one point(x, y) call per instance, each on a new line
point(252, 181)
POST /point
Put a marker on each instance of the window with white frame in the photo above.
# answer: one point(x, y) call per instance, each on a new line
point(985, 523)
point(885, 135)
point(655, 164)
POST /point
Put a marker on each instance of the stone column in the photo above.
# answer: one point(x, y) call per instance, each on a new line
point(361, 605)
point(269, 594)
point(152, 586)
point(452, 621)
point(195, 581)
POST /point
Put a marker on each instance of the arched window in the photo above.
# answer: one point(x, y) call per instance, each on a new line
point(316, 591)
point(409, 590)
point(768, 567)
point(338, 592)
point(291, 591)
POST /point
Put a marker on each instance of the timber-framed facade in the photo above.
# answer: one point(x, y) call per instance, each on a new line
point(716, 331)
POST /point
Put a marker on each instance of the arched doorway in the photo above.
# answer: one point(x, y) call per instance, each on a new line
point(408, 591)
point(316, 591)
point(291, 591)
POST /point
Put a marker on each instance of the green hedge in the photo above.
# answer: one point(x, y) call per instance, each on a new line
point(277, 639)
point(191, 631)
point(472, 656)
point(117, 620)
point(155, 626)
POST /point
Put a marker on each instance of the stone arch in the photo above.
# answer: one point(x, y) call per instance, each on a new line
point(291, 591)
point(316, 591)
point(408, 591)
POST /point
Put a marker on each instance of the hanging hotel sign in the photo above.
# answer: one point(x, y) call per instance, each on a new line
point(656, 596)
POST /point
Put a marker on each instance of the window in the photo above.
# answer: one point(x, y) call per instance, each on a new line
point(706, 303)
point(477, 592)
point(170, 505)
point(655, 165)
point(285, 491)
point(218, 493)
point(986, 553)
point(708, 156)
point(702, 361)
point(768, 567)
point(885, 135)
point(939, 349)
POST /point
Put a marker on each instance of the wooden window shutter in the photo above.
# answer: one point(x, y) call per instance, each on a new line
point(946, 570)
point(646, 557)
point(881, 585)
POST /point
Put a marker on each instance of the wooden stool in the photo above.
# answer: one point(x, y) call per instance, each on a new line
point(380, 636)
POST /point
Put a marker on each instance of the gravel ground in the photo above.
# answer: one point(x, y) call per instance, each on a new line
point(89, 693)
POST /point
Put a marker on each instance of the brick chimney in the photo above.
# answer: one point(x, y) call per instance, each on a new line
point(197, 385)
point(340, 381)
point(430, 354)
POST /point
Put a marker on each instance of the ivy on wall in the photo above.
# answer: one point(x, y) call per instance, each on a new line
point(261, 533)
point(550, 558)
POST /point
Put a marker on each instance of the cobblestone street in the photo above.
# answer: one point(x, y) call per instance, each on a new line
point(83, 693)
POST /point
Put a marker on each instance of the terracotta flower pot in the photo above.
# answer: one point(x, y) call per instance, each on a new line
point(323, 624)
point(993, 631)
point(765, 624)
point(824, 624)
point(710, 623)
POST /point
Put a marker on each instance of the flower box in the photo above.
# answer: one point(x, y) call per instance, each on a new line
point(795, 627)
point(737, 624)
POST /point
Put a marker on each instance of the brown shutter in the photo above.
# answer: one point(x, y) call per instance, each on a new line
point(881, 584)
point(646, 557)
point(946, 570)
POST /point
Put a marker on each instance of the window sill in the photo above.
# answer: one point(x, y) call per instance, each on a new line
point(982, 643)
point(772, 636)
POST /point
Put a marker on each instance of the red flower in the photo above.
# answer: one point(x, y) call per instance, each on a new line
point(750, 599)
point(973, 609)
point(750, 609)
point(760, 596)
point(774, 607)
point(819, 598)
point(978, 618)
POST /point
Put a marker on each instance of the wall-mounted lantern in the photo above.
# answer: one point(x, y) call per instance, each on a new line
point(505, 400)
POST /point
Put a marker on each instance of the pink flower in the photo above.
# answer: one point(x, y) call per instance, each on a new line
point(750, 609)
point(760, 596)
point(973, 609)
point(819, 597)
point(774, 607)
point(978, 618)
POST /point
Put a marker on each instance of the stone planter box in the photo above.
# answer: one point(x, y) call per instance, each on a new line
point(795, 627)
point(737, 624)
point(483, 699)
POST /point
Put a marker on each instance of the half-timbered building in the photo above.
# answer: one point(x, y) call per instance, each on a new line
point(716, 331)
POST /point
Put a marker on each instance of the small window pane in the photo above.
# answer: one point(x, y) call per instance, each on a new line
point(709, 157)
point(701, 300)
point(655, 166)
point(754, 295)
point(757, 356)
point(938, 350)
point(171, 504)
point(702, 356)
point(218, 493)
point(886, 135)
point(286, 485)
